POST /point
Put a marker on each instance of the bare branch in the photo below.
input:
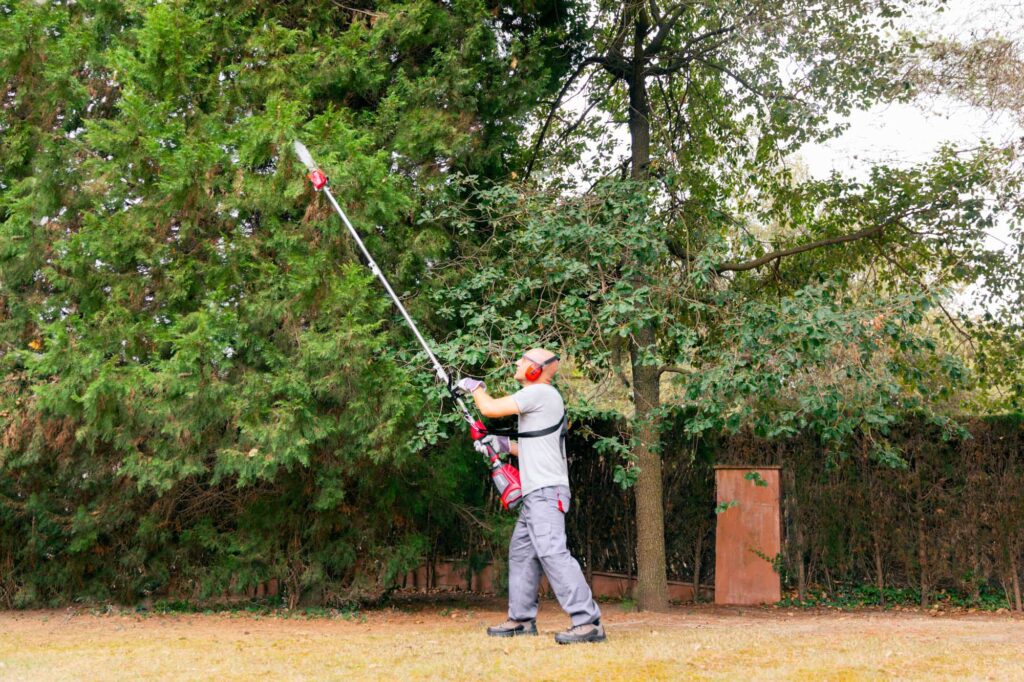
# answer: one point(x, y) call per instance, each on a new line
point(620, 169)
point(674, 62)
point(355, 10)
point(615, 47)
point(554, 110)
point(735, 76)
point(665, 26)
point(582, 117)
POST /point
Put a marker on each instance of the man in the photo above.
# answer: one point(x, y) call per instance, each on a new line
point(538, 541)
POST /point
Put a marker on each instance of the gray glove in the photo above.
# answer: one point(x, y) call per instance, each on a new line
point(499, 444)
point(466, 385)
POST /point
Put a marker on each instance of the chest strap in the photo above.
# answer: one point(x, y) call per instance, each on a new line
point(513, 433)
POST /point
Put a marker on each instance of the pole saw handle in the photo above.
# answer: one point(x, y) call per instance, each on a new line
point(477, 431)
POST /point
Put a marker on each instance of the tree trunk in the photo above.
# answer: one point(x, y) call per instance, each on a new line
point(652, 582)
point(698, 548)
point(639, 109)
point(794, 549)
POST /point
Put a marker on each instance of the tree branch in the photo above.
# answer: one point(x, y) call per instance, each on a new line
point(614, 50)
point(582, 117)
point(949, 316)
point(665, 26)
point(658, 41)
point(655, 12)
point(554, 110)
point(735, 76)
point(782, 253)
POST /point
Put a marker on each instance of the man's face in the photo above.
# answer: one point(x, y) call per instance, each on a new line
point(522, 364)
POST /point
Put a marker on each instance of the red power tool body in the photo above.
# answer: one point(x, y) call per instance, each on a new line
point(504, 475)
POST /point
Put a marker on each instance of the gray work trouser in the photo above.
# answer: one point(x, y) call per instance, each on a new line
point(538, 544)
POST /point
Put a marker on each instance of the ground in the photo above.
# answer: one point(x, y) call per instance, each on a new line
point(446, 641)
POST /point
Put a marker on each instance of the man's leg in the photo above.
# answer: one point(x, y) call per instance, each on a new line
point(524, 571)
point(547, 528)
point(523, 581)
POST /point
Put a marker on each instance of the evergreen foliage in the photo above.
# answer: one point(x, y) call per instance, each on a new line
point(201, 386)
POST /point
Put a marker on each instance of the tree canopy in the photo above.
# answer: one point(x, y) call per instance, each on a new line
point(689, 260)
point(201, 379)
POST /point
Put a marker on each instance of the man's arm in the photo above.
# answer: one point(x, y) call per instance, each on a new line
point(494, 407)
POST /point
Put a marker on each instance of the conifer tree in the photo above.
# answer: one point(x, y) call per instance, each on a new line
point(201, 384)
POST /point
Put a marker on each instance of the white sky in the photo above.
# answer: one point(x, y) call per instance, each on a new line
point(903, 135)
point(909, 134)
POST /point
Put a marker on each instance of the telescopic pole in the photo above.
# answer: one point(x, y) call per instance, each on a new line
point(504, 476)
point(319, 180)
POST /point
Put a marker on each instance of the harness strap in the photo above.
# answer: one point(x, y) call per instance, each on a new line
point(512, 433)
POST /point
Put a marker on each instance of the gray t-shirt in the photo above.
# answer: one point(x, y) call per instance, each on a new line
point(541, 460)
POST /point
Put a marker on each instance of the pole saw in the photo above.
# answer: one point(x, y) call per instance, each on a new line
point(505, 476)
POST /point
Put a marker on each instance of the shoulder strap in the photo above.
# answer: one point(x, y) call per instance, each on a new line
point(512, 433)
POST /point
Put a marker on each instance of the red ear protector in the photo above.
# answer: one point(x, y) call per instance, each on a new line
point(535, 369)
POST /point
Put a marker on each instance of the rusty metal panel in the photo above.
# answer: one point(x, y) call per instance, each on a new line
point(748, 536)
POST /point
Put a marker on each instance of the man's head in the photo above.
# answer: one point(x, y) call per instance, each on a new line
point(536, 366)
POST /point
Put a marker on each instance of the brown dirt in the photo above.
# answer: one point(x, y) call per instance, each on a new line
point(432, 641)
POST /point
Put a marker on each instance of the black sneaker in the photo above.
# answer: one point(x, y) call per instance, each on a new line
point(588, 632)
point(513, 628)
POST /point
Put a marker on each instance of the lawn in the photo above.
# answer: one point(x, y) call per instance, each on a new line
point(446, 641)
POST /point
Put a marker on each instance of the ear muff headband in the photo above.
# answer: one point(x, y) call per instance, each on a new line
point(535, 369)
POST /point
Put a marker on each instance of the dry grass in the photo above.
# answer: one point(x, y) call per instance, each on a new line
point(435, 643)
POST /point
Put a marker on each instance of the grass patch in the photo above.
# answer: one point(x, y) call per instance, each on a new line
point(449, 644)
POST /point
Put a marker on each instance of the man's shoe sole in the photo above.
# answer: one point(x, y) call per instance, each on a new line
point(513, 633)
point(582, 640)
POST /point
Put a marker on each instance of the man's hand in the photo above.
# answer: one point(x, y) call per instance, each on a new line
point(499, 444)
point(466, 385)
